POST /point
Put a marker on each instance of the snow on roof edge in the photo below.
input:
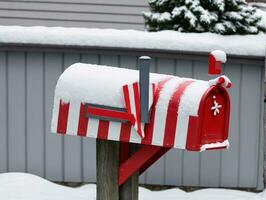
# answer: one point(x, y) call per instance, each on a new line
point(247, 45)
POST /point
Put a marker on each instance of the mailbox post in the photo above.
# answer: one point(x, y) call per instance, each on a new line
point(137, 118)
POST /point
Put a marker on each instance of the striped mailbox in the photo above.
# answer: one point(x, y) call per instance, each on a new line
point(158, 111)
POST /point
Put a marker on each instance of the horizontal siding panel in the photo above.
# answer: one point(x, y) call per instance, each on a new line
point(112, 2)
point(42, 22)
point(118, 14)
point(75, 8)
point(72, 16)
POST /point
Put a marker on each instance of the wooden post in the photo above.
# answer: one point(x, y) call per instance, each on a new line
point(107, 160)
point(130, 189)
point(107, 173)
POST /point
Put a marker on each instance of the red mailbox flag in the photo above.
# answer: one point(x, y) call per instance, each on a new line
point(132, 102)
point(216, 58)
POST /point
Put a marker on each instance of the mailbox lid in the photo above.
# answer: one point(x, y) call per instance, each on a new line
point(97, 84)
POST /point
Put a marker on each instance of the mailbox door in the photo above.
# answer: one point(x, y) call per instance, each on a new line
point(215, 118)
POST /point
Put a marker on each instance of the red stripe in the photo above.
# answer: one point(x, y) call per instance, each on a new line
point(101, 112)
point(125, 132)
point(83, 121)
point(126, 98)
point(153, 90)
point(193, 140)
point(62, 117)
point(172, 114)
point(103, 129)
point(124, 151)
point(137, 106)
point(149, 127)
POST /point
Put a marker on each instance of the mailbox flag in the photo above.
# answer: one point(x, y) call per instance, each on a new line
point(132, 102)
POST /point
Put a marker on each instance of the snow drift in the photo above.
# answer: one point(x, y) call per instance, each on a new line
point(21, 186)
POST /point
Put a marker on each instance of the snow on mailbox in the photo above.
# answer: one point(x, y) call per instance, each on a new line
point(151, 109)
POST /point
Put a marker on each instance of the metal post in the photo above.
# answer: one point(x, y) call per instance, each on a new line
point(144, 81)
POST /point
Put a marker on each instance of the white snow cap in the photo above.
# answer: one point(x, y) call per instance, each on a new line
point(97, 84)
point(145, 57)
point(215, 145)
point(219, 55)
point(226, 82)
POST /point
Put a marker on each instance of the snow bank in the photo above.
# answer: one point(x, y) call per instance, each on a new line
point(20, 186)
point(248, 45)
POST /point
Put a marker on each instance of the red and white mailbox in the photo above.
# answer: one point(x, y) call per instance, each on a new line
point(107, 103)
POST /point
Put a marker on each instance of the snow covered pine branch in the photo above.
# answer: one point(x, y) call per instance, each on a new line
point(220, 16)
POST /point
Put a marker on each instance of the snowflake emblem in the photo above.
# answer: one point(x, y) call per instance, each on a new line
point(215, 107)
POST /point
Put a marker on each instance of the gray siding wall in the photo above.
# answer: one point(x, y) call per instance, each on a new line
point(264, 144)
point(27, 82)
point(121, 14)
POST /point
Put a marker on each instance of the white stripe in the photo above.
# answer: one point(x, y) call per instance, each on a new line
point(134, 136)
point(133, 106)
point(132, 99)
point(73, 118)
point(92, 129)
point(190, 101)
point(55, 115)
point(181, 131)
point(161, 110)
point(133, 103)
point(189, 105)
point(150, 96)
point(114, 131)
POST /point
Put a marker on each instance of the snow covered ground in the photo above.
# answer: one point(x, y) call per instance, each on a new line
point(21, 186)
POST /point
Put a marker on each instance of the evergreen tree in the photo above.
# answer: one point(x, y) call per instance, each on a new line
point(217, 16)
